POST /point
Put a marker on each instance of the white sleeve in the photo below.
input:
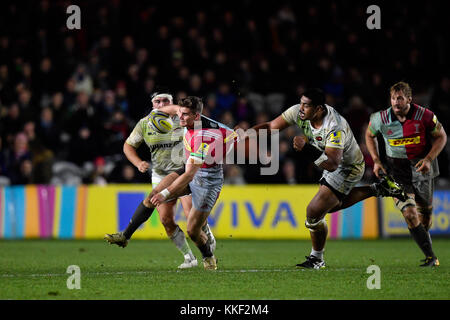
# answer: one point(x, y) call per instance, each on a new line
point(291, 114)
point(136, 137)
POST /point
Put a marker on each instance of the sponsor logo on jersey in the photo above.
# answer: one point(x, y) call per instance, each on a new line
point(389, 132)
point(319, 138)
point(404, 141)
point(335, 138)
point(417, 127)
point(203, 149)
point(163, 146)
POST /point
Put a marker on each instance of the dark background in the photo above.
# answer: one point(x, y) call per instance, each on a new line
point(70, 98)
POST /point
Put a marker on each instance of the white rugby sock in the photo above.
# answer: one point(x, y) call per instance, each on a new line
point(317, 254)
point(179, 239)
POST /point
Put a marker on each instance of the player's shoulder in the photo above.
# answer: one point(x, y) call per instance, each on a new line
point(382, 116)
point(334, 120)
point(421, 113)
point(292, 112)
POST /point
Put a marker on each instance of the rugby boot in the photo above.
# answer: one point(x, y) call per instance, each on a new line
point(430, 262)
point(387, 187)
point(312, 262)
point(117, 238)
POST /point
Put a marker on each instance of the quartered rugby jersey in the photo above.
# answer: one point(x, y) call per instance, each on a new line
point(407, 140)
point(160, 144)
point(209, 144)
point(334, 133)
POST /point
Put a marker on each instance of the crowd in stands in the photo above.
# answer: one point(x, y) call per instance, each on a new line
point(70, 98)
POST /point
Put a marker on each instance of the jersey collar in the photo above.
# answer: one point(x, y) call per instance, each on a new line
point(409, 115)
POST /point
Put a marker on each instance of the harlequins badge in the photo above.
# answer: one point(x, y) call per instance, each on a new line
point(389, 132)
point(319, 138)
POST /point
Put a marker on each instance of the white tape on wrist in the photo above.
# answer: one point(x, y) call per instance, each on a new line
point(165, 193)
point(321, 159)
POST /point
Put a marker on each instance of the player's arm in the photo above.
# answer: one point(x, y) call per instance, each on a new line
point(330, 159)
point(131, 154)
point(372, 147)
point(130, 146)
point(279, 123)
point(170, 109)
point(437, 145)
point(178, 185)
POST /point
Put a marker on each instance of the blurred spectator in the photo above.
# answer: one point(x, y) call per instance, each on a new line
point(289, 175)
point(247, 62)
point(127, 173)
point(233, 175)
point(83, 81)
point(48, 131)
point(83, 147)
point(16, 157)
point(98, 176)
point(12, 123)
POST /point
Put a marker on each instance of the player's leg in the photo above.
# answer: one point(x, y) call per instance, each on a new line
point(176, 234)
point(386, 187)
point(424, 199)
point(196, 220)
point(186, 203)
point(205, 192)
point(323, 201)
point(416, 229)
point(141, 214)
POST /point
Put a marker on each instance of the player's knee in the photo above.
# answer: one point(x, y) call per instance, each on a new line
point(312, 212)
point(404, 205)
point(168, 222)
point(193, 233)
point(147, 202)
point(425, 216)
point(314, 224)
point(410, 215)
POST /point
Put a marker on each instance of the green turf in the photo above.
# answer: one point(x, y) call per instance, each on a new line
point(36, 269)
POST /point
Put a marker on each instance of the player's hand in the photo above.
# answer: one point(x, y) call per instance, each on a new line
point(299, 142)
point(157, 199)
point(423, 166)
point(143, 166)
point(377, 166)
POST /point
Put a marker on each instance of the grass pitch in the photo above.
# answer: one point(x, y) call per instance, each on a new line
point(248, 269)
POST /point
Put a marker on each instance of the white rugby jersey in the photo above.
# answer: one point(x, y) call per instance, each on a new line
point(335, 132)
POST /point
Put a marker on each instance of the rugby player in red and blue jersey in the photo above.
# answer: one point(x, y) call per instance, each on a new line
point(413, 138)
point(207, 143)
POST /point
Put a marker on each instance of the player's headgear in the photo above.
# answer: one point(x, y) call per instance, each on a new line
point(162, 93)
point(316, 95)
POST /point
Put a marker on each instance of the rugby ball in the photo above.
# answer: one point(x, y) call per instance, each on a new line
point(160, 122)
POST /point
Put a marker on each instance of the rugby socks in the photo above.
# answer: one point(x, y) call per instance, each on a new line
point(205, 249)
point(179, 239)
point(422, 238)
point(317, 254)
point(141, 215)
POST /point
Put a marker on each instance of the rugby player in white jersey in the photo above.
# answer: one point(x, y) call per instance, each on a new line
point(160, 145)
point(328, 139)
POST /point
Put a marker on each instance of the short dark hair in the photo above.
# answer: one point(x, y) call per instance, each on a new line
point(316, 95)
point(195, 104)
